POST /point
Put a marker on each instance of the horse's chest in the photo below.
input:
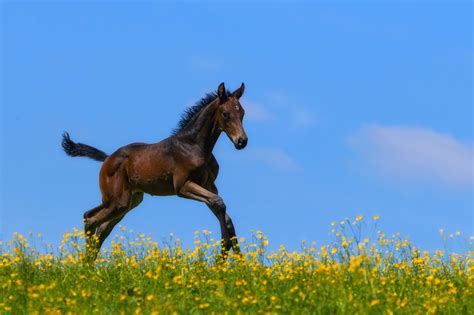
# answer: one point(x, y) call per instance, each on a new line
point(196, 163)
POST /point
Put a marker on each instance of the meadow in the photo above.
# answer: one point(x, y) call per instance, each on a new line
point(362, 272)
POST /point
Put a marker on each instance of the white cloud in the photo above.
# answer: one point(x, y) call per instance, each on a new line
point(256, 111)
point(416, 153)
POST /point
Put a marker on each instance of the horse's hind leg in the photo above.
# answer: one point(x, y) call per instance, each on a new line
point(106, 228)
point(117, 205)
point(87, 227)
point(105, 219)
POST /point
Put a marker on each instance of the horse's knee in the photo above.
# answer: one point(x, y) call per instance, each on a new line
point(218, 205)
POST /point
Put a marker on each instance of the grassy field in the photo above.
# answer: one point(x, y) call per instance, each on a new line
point(362, 272)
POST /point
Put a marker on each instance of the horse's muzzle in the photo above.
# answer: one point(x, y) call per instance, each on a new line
point(241, 143)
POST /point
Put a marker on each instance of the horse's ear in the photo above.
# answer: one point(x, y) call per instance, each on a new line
point(240, 91)
point(221, 92)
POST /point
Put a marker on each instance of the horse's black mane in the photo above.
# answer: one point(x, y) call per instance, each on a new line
point(192, 111)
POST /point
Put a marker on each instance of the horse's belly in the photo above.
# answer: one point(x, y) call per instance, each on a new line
point(151, 177)
point(162, 187)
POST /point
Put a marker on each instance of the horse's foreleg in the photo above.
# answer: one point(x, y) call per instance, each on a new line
point(193, 191)
point(232, 234)
point(228, 221)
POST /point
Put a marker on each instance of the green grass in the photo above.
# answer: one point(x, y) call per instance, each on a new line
point(354, 275)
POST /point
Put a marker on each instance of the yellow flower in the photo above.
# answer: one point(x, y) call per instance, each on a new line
point(177, 279)
point(359, 218)
point(374, 302)
point(376, 217)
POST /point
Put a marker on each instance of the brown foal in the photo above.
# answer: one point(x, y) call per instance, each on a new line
point(182, 164)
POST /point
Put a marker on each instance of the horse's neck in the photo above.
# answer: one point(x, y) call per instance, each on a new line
point(205, 131)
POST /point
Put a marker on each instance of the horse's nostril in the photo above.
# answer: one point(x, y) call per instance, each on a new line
point(242, 142)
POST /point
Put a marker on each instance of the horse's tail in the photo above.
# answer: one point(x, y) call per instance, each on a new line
point(79, 149)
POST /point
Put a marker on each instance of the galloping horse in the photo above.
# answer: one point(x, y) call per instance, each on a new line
point(182, 165)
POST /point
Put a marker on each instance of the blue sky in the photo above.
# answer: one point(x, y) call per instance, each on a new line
point(352, 108)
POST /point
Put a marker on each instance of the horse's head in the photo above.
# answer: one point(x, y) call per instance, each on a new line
point(230, 115)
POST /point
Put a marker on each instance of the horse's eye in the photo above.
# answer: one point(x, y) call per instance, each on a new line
point(225, 115)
